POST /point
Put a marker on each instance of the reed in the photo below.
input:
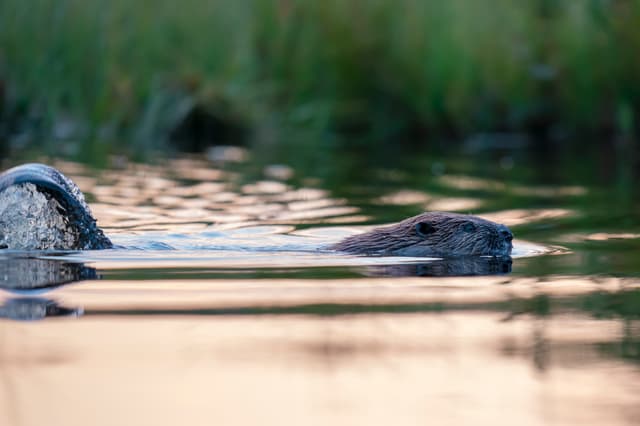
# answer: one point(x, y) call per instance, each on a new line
point(95, 76)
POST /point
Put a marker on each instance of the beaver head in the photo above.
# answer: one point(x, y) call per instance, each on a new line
point(433, 234)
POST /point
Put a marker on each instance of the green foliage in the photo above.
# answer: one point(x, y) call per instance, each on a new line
point(97, 71)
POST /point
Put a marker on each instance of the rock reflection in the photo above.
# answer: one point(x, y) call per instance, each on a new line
point(462, 266)
point(24, 273)
point(34, 309)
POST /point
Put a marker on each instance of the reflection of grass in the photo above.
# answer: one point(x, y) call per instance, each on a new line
point(102, 71)
point(628, 348)
point(539, 305)
point(625, 304)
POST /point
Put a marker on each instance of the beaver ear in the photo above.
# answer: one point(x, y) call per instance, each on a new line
point(424, 228)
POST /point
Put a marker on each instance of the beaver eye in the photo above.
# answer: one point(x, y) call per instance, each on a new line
point(468, 227)
point(424, 228)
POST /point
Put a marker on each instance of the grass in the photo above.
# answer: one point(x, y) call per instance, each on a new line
point(94, 76)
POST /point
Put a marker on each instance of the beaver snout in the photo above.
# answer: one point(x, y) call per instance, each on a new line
point(507, 236)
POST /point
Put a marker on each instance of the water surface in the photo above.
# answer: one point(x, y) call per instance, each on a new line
point(222, 305)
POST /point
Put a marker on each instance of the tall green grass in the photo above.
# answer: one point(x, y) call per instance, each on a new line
point(98, 75)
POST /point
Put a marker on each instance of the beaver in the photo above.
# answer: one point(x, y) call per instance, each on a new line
point(433, 234)
point(40, 208)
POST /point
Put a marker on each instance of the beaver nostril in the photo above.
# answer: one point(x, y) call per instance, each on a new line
point(506, 234)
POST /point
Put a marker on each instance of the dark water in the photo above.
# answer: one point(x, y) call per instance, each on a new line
point(224, 308)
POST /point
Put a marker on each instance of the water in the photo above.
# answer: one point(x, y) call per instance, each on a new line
point(224, 307)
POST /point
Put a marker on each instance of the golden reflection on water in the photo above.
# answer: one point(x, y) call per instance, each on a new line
point(480, 184)
point(429, 202)
point(603, 236)
point(453, 204)
point(189, 194)
point(404, 197)
point(445, 368)
point(453, 350)
point(522, 216)
point(479, 292)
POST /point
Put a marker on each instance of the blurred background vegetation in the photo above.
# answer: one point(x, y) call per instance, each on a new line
point(86, 78)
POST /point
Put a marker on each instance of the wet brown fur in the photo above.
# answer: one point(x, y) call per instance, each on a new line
point(449, 234)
